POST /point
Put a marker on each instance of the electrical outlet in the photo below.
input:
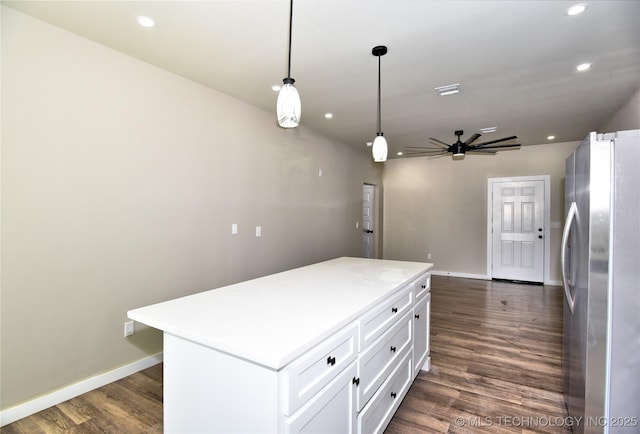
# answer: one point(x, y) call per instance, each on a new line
point(128, 328)
point(258, 231)
point(428, 256)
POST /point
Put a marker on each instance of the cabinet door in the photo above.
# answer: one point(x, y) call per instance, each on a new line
point(332, 410)
point(421, 313)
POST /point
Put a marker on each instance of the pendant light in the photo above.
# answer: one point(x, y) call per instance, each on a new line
point(380, 148)
point(288, 106)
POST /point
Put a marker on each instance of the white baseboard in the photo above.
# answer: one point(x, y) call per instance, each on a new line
point(28, 408)
point(464, 275)
point(482, 276)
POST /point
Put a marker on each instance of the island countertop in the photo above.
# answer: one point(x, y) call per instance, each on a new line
point(272, 320)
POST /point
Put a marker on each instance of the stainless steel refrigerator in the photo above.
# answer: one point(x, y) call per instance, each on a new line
point(600, 257)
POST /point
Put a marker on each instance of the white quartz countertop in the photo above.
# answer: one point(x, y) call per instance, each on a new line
point(274, 319)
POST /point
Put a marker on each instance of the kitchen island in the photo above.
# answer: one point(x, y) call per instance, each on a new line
point(330, 347)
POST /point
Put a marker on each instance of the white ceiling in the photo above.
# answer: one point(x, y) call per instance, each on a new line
point(515, 60)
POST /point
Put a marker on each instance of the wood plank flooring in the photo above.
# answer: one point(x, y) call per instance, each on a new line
point(132, 405)
point(496, 368)
point(496, 351)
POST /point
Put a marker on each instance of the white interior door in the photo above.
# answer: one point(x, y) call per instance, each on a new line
point(367, 220)
point(518, 230)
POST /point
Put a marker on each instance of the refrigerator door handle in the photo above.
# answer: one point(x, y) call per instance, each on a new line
point(573, 209)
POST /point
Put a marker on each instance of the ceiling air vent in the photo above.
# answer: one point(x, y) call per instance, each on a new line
point(449, 89)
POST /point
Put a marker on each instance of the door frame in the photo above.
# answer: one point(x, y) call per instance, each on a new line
point(546, 179)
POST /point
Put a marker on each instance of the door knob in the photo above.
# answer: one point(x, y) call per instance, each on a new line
point(540, 236)
point(368, 231)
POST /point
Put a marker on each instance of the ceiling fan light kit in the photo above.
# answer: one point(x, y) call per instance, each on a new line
point(289, 107)
point(380, 148)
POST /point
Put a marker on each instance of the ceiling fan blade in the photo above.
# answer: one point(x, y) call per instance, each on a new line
point(472, 139)
point(416, 149)
point(422, 147)
point(417, 154)
point(517, 145)
point(482, 152)
point(439, 142)
point(504, 139)
point(444, 154)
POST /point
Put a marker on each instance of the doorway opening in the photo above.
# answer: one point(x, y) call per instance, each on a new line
point(370, 221)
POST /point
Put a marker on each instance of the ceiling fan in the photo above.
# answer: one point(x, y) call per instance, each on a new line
point(460, 148)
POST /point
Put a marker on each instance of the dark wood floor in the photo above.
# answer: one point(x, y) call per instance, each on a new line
point(132, 405)
point(496, 368)
point(496, 351)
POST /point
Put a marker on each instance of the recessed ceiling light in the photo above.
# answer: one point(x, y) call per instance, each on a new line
point(551, 137)
point(276, 88)
point(328, 115)
point(145, 21)
point(488, 130)
point(576, 9)
point(449, 89)
point(583, 67)
point(369, 144)
point(400, 153)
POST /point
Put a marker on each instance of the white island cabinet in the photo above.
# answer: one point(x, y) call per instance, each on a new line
point(328, 348)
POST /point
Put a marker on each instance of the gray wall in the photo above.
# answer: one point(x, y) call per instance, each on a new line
point(120, 182)
point(626, 118)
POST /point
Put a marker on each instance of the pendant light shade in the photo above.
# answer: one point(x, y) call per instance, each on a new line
point(288, 107)
point(380, 148)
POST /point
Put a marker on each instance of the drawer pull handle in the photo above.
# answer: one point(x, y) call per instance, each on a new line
point(331, 360)
point(417, 316)
point(393, 349)
point(356, 381)
point(393, 395)
point(394, 309)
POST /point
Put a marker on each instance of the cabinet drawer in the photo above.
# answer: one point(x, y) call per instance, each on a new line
point(309, 373)
point(380, 318)
point(379, 359)
point(376, 415)
point(422, 287)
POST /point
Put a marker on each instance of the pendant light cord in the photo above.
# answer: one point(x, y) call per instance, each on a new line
point(290, 31)
point(379, 111)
